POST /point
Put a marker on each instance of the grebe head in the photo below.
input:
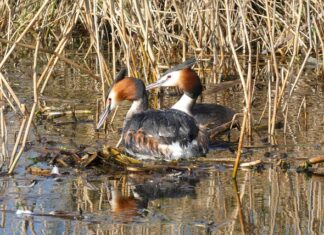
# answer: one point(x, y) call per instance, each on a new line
point(123, 88)
point(182, 76)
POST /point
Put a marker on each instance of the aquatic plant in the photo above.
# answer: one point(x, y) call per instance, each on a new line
point(149, 36)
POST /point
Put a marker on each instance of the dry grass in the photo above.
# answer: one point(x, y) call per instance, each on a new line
point(148, 36)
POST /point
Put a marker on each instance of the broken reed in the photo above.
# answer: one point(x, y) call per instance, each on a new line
point(148, 36)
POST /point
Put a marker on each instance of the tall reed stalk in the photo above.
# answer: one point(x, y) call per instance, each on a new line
point(149, 36)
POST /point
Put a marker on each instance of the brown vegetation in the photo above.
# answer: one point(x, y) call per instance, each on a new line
point(148, 36)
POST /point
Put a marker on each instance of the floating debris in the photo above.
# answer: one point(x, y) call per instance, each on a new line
point(255, 163)
point(34, 170)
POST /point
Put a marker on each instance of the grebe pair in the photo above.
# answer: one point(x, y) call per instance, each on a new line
point(183, 77)
point(160, 134)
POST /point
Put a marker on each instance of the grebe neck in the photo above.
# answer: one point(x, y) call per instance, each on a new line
point(137, 106)
point(184, 104)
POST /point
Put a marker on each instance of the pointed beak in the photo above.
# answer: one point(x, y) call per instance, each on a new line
point(103, 116)
point(156, 84)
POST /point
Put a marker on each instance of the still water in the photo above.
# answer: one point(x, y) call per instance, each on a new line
point(202, 201)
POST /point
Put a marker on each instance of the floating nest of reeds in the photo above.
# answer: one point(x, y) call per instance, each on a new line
point(113, 160)
point(105, 160)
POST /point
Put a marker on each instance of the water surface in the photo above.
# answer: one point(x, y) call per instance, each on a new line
point(202, 201)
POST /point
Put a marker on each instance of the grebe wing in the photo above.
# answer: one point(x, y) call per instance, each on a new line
point(212, 114)
point(165, 126)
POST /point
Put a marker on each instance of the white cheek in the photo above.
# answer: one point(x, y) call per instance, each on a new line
point(113, 104)
point(173, 81)
point(112, 97)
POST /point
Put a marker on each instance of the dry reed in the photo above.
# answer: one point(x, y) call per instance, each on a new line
point(149, 36)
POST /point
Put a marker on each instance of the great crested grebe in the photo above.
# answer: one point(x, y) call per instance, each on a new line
point(181, 75)
point(157, 134)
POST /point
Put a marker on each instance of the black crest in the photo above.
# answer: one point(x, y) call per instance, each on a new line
point(187, 64)
point(121, 75)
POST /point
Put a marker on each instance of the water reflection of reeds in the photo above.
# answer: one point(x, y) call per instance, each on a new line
point(73, 50)
point(148, 37)
point(268, 202)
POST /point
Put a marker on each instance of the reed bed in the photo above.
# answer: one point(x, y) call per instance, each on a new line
point(150, 36)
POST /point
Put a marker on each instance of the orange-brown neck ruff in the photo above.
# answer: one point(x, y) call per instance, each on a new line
point(129, 89)
point(190, 83)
